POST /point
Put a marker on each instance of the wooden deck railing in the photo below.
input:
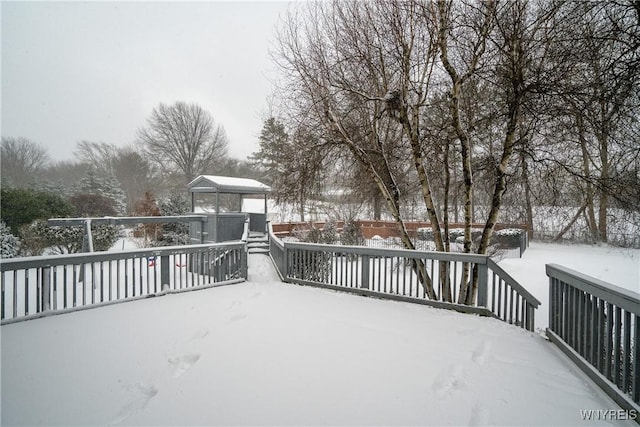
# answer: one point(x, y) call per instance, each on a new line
point(597, 325)
point(394, 274)
point(37, 286)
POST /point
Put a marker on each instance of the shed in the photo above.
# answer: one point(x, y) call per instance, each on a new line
point(226, 217)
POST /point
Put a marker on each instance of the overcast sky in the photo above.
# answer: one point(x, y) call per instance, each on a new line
point(74, 71)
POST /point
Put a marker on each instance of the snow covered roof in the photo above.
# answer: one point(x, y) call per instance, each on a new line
point(227, 184)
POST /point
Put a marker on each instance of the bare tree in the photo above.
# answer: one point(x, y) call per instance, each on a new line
point(132, 169)
point(22, 161)
point(469, 27)
point(97, 154)
point(185, 138)
point(358, 74)
point(601, 105)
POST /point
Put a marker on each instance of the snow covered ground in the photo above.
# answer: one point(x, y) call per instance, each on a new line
point(268, 353)
point(618, 266)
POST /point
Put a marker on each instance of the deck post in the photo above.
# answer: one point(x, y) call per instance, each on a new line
point(365, 272)
point(482, 285)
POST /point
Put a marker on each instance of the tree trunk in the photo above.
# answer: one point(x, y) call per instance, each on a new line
point(573, 220)
point(427, 195)
point(603, 188)
point(527, 193)
point(586, 171)
point(391, 195)
point(445, 210)
point(377, 206)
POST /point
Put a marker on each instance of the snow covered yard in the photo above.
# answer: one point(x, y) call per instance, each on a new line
point(618, 266)
point(267, 353)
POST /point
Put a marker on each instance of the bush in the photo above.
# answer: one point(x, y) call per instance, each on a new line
point(457, 234)
point(9, 244)
point(329, 233)
point(508, 238)
point(22, 206)
point(425, 233)
point(39, 236)
point(351, 234)
point(174, 233)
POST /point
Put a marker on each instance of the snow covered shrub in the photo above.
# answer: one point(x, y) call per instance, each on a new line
point(351, 234)
point(457, 234)
point(313, 266)
point(33, 242)
point(507, 238)
point(314, 235)
point(104, 237)
point(174, 233)
point(425, 233)
point(9, 244)
point(39, 236)
point(329, 233)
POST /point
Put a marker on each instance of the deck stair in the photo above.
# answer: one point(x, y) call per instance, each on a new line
point(258, 243)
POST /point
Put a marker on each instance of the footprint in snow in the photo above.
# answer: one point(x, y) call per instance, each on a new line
point(234, 304)
point(449, 381)
point(479, 415)
point(237, 317)
point(144, 394)
point(481, 353)
point(200, 334)
point(179, 365)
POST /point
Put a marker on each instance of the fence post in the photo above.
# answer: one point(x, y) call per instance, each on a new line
point(365, 272)
point(483, 271)
point(164, 272)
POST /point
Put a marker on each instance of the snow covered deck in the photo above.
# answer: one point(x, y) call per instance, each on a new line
point(268, 353)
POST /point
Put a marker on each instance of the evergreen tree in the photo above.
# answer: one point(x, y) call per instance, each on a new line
point(21, 206)
point(293, 170)
point(175, 233)
point(274, 145)
point(104, 184)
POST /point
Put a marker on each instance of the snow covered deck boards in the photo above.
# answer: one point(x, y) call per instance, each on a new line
point(268, 353)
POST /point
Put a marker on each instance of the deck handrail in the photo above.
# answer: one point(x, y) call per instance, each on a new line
point(366, 271)
point(36, 286)
point(597, 324)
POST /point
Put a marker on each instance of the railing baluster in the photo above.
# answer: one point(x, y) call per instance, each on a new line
point(617, 345)
point(602, 337)
point(609, 342)
point(635, 392)
point(15, 293)
point(110, 280)
point(626, 364)
point(4, 298)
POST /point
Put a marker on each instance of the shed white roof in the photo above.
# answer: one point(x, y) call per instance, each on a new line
point(227, 184)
